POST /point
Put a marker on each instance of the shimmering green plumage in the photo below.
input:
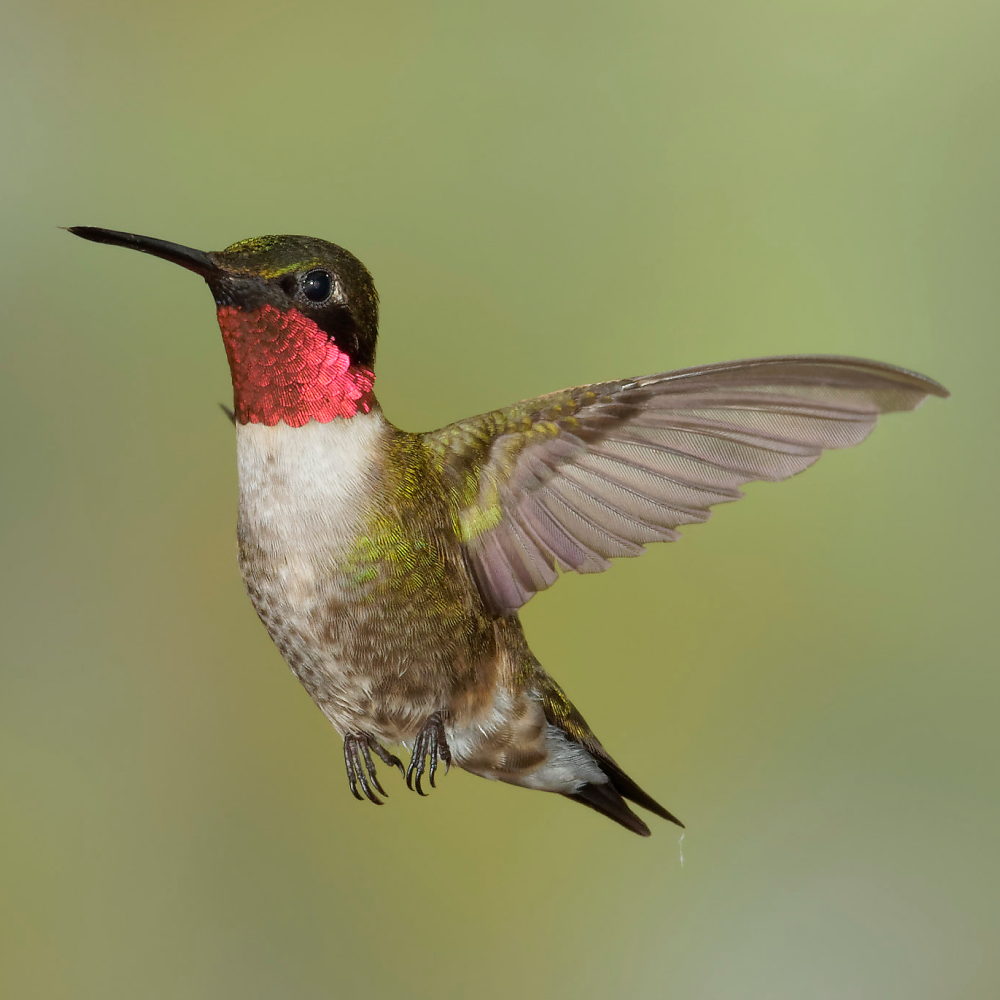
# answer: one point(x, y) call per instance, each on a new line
point(478, 454)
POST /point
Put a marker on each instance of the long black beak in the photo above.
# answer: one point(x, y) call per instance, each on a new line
point(194, 260)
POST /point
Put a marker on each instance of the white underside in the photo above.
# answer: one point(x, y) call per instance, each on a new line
point(296, 480)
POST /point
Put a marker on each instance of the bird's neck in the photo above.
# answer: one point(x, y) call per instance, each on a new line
point(285, 368)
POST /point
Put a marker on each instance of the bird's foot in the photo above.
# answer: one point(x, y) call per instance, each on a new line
point(361, 768)
point(430, 743)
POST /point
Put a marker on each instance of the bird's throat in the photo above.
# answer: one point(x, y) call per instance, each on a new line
point(286, 368)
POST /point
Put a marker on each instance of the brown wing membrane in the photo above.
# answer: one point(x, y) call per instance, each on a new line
point(573, 479)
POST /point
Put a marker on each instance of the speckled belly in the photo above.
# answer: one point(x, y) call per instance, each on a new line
point(370, 663)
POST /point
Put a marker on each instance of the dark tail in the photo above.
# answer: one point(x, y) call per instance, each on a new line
point(607, 801)
point(609, 798)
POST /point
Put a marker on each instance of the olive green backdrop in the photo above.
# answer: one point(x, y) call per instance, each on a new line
point(547, 194)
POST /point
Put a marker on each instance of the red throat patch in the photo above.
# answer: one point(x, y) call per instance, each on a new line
point(285, 367)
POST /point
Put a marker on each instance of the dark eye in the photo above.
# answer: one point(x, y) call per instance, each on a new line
point(317, 285)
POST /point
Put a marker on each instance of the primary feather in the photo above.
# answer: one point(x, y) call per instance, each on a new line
point(573, 479)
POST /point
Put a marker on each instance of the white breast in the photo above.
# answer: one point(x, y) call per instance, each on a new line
point(303, 492)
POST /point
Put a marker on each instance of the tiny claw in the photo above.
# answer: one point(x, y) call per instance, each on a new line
point(352, 780)
point(370, 764)
point(411, 768)
point(361, 767)
point(444, 749)
point(387, 758)
point(372, 797)
point(430, 742)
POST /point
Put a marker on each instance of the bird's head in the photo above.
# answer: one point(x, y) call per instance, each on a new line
point(299, 318)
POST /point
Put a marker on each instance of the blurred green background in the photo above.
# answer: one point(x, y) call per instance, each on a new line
point(547, 194)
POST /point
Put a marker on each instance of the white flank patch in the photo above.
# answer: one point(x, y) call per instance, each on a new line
point(567, 767)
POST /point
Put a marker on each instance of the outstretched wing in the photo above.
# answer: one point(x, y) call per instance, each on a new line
point(570, 480)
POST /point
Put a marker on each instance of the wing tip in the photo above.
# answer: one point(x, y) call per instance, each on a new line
point(916, 380)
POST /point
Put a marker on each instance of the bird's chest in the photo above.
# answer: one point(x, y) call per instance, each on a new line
point(306, 498)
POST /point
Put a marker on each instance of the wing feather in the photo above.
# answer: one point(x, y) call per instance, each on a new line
point(571, 480)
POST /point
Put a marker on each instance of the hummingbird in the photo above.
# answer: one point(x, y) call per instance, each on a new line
point(389, 566)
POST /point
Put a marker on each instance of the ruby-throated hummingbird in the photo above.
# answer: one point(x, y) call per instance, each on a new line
point(388, 567)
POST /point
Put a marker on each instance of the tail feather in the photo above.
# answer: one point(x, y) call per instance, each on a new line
point(607, 801)
point(628, 789)
point(606, 797)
